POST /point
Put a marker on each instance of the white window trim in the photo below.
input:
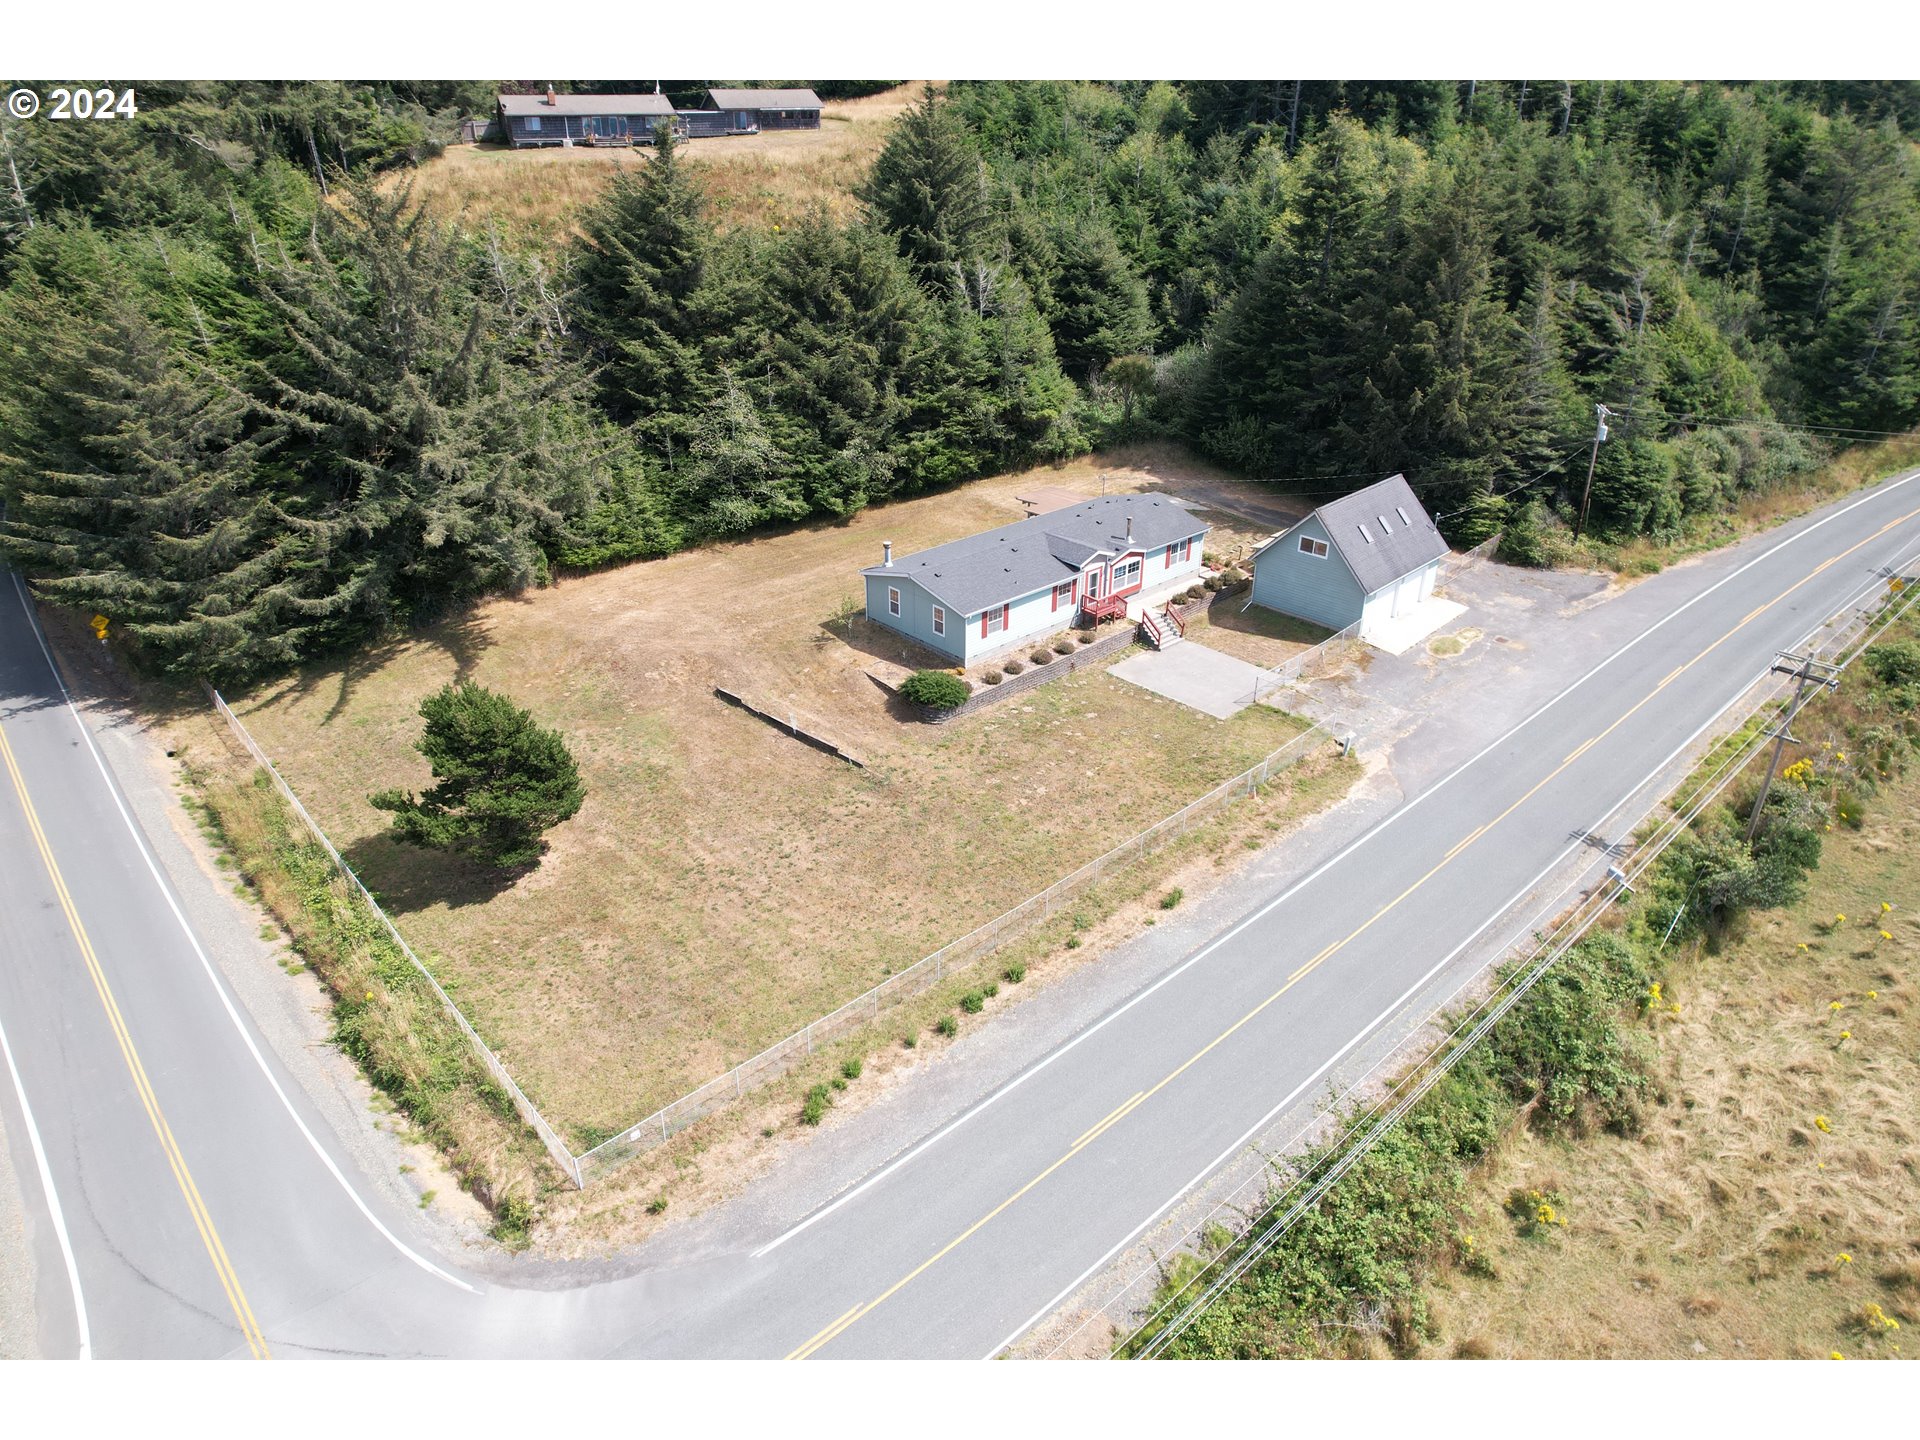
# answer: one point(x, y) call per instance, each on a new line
point(893, 600)
point(998, 617)
point(1310, 546)
point(939, 620)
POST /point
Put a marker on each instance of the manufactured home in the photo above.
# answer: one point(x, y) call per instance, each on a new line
point(995, 592)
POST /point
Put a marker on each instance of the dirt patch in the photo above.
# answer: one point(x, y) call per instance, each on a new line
point(724, 884)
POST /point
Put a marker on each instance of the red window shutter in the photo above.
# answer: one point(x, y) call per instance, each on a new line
point(1169, 554)
point(983, 623)
point(1056, 597)
point(1006, 617)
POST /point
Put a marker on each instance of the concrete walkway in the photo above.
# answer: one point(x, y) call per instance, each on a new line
point(1202, 679)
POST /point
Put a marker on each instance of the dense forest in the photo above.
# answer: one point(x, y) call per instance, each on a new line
point(258, 405)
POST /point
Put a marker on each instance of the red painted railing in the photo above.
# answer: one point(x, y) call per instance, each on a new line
point(1107, 607)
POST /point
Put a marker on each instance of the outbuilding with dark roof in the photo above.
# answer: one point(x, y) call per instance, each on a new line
point(767, 109)
point(1005, 587)
point(1365, 558)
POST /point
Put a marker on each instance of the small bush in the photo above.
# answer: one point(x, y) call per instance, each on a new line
point(973, 1002)
point(837, 1083)
point(947, 1026)
point(1849, 809)
point(1194, 592)
point(990, 989)
point(1041, 657)
point(992, 677)
point(935, 689)
point(1073, 942)
point(1063, 646)
point(1014, 667)
point(909, 1042)
point(657, 1205)
point(819, 1100)
point(1172, 898)
point(1014, 973)
point(1212, 582)
point(851, 1069)
point(1086, 637)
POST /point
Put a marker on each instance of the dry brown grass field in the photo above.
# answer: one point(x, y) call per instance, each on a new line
point(1771, 1206)
point(754, 180)
point(724, 884)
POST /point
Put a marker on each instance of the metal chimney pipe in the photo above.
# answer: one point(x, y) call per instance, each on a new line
point(886, 549)
point(1129, 529)
point(552, 99)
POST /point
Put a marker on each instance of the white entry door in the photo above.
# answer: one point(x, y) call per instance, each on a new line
point(1406, 595)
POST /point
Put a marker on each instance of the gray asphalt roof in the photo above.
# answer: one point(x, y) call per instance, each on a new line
point(764, 99)
point(998, 565)
point(1383, 532)
point(586, 105)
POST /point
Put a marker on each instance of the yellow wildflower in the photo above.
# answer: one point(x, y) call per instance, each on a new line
point(1836, 1355)
point(1840, 919)
point(1885, 936)
point(1836, 1005)
point(1885, 907)
point(1820, 1124)
point(1846, 1034)
point(1843, 1258)
point(1873, 994)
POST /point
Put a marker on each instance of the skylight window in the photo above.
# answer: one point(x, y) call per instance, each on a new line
point(1401, 512)
point(1366, 534)
point(1385, 529)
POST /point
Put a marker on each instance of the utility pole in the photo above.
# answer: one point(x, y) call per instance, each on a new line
point(1586, 495)
point(1808, 671)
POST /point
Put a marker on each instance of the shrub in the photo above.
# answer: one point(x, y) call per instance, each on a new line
point(1014, 973)
point(947, 1026)
point(1849, 809)
point(1063, 646)
point(990, 989)
point(501, 780)
point(1172, 898)
point(1041, 657)
point(819, 1100)
point(837, 1083)
point(991, 677)
point(1014, 667)
point(1194, 592)
point(1073, 942)
point(1896, 665)
point(1086, 637)
point(935, 689)
point(1212, 582)
point(851, 1068)
point(657, 1205)
point(973, 1002)
point(909, 1042)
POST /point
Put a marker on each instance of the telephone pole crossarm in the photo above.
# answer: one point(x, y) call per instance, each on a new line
point(1808, 671)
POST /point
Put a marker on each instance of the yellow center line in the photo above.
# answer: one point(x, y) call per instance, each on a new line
point(196, 1207)
point(860, 1311)
point(1112, 1115)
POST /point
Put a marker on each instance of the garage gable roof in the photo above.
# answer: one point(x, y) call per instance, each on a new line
point(1382, 532)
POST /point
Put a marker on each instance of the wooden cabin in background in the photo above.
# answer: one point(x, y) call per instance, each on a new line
point(531, 121)
point(766, 109)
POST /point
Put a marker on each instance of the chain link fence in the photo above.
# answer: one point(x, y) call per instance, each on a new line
point(562, 1155)
point(929, 971)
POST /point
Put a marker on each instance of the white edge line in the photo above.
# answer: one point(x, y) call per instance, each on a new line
point(213, 978)
point(53, 1200)
point(924, 1145)
point(1371, 1026)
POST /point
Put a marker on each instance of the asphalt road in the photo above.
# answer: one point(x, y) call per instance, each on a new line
point(186, 1197)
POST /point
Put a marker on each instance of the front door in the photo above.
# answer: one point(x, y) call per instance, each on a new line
point(1093, 584)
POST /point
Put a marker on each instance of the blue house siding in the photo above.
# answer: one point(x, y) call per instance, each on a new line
point(1319, 588)
point(915, 619)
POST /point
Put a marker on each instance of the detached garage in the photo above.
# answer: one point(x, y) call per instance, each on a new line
point(1372, 557)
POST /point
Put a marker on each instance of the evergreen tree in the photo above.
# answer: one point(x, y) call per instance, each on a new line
point(501, 780)
point(1098, 304)
point(928, 189)
point(645, 297)
point(432, 464)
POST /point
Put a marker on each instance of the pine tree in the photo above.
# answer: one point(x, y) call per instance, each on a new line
point(1099, 305)
point(501, 780)
point(928, 188)
point(645, 296)
point(432, 463)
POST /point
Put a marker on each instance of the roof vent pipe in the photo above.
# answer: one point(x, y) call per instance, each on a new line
point(886, 550)
point(552, 99)
point(1129, 529)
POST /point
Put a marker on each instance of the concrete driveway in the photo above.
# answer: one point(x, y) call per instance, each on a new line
point(1199, 678)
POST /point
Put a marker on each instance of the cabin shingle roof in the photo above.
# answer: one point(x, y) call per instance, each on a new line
point(1000, 565)
point(586, 105)
point(729, 99)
